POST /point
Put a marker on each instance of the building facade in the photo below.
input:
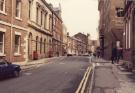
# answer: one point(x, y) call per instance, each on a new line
point(13, 30)
point(57, 32)
point(129, 34)
point(110, 26)
point(39, 30)
point(26, 30)
point(101, 26)
point(84, 38)
point(65, 34)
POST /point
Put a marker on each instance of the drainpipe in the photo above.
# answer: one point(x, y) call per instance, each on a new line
point(11, 49)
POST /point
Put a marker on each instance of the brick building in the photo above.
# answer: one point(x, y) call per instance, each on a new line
point(26, 29)
point(110, 26)
point(129, 34)
point(13, 30)
point(79, 46)
point(57, 32)
point(65, 34)
point(85, 39)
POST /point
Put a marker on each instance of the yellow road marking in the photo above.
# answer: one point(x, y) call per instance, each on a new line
point(82, 85)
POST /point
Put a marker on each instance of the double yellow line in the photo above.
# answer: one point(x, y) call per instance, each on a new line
point(82, 86)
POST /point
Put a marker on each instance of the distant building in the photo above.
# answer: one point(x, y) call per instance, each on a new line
point(70, 45)
point(94, 45)
point(65, 37)
point(86, 40)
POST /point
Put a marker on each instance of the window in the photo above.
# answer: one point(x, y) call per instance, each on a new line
point(50, 23)
point(17, 44)
point(2, 5)
point(30, 7)
point(38, 16)
point(18, 8)
point(40, 45)
point(1, 43)
point(128, 34)
point(41, 18)
point(45, 20)
point(50, 44)
point(120, 12)
point(44, 45)
point(36, 43)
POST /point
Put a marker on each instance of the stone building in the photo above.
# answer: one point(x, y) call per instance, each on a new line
point(110, 26)
point(57, 32)
point(79, 46)
point(13, 30)
point(39, 29)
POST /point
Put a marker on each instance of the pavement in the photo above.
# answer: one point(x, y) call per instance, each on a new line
point(111, 78)
point(37, 63)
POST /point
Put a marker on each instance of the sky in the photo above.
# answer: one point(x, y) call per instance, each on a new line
point(79, 16)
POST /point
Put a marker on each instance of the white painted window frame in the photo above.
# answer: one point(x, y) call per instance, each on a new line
point(4, 9)
point(20, 9)
point(18, 52)
point(2, 44)
point(3, 31)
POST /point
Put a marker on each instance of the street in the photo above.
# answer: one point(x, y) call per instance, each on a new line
point(60, 76)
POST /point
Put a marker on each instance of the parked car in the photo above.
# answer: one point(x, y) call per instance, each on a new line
point(8, 69)
point(69, 55)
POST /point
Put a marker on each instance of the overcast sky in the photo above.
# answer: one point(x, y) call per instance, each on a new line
point(79, 15)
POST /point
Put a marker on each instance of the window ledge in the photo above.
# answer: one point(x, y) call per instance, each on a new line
point(18, 18)
point(17, 54)
point(2, 54)
point(3, 12)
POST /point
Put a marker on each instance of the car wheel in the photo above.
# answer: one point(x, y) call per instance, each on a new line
point(16, 73)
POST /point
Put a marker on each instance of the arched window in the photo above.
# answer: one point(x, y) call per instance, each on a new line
point(30, 44)
point(44, 45)
point(2, 5)
point(36, 43)
point(40, 45)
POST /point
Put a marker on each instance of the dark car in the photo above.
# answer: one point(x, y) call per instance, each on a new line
point(8, 69)
point(69, 55)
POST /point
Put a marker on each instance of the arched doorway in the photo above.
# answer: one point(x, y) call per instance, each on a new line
point(36, 44)
point(45, 47)
point(41, 46)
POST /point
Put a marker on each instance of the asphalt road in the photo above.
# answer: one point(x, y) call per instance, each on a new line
point(60, 76)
